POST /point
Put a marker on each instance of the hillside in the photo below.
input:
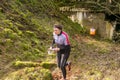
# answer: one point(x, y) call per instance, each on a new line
point(26, 33)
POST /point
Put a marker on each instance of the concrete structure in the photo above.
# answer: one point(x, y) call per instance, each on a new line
point(94, 20)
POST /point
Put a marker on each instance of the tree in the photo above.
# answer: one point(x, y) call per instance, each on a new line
point(110, 7)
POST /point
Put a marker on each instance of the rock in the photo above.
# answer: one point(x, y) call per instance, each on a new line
point(30, 74)
point(48, 65)
point(22, 64)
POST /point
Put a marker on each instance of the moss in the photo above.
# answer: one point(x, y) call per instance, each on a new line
point(30, 34)
point(9, 34)
point(48, 65)
point(6, 42)
point(25, 46)
point(22, 64)
point(2, 16)
point(30, 74)
point(46, 74)
point(36, 51)
point(27, 55)
point(26, 31)
point(93, 75)
point(103, 51)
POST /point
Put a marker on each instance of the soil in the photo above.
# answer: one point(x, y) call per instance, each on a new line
point(101, 62)
point(91, 60)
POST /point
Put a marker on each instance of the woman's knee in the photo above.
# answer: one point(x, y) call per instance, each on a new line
point(59, 66)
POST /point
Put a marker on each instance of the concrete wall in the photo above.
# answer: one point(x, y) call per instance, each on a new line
point(94, 20)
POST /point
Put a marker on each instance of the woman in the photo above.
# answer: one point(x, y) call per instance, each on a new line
point(61, 39)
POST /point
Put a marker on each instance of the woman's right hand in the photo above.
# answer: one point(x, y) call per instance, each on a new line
point(50, 48)
point(56, 49)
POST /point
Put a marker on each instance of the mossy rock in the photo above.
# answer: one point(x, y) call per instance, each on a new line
point(30, 74)
point(48, 65)
point(22, 64)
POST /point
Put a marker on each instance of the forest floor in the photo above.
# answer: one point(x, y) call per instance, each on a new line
point(93, 60)
point(101, 62)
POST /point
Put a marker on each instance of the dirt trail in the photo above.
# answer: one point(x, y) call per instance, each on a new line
point(4, 65)
point(101, 62)
point(57, 75)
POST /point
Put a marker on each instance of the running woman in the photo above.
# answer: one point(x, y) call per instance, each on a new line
point(61, 39)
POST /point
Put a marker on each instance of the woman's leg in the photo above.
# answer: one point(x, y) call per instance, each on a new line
point(59, 59)
point(64, 62)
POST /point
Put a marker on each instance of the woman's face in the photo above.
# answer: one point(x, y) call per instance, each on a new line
point(57, 31)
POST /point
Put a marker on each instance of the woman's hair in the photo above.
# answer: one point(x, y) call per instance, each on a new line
point(58, 26)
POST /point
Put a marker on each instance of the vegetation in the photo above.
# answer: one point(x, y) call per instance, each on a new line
point(109, 7)
point(25, 36)
point(30, 74)
point(25, 29)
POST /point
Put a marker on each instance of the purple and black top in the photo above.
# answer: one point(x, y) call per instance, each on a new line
point(62, 40)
